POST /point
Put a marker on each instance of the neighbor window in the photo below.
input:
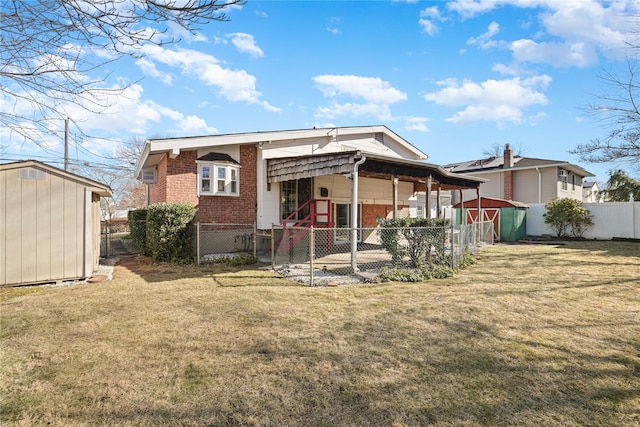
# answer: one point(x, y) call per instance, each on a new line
point(564, 182)
point(218, 179)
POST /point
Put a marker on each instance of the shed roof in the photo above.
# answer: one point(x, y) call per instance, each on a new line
point(488, 202)
point(95, 186)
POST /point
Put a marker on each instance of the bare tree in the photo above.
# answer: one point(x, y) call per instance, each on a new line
point(129, 152)
point(619, 113)
point(48, 48)
point(497, 150)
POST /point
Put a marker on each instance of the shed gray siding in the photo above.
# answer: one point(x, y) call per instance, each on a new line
point(47, 226)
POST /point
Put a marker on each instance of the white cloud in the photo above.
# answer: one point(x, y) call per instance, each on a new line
point(335, 110)
point(376, 93)
point(491, 100)
point(333, 25)
point(233, 85)
point(246, 44)
point(574, 33)
point(485, 41)
point(193, 125)
point(149, 68)
point(428, 19)
point(578, 54)
point(416, 124)
point(372, 89)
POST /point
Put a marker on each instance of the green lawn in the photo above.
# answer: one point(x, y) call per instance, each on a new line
point(531, 335)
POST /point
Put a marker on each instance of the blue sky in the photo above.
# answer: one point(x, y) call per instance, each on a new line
point(453, 78)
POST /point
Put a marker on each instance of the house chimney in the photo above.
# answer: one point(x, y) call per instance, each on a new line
point(508, 157)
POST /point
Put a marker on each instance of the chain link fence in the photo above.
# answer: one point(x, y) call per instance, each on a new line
point(326, 256)
point(216, 239)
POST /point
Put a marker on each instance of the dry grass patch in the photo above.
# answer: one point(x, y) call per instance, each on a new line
point(531, 335)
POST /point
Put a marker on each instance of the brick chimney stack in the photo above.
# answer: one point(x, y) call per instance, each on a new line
point(508, 157)
point(508, 175)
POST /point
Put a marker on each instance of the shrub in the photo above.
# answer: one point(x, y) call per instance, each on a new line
point(233, 260)
point(413, 238)
point(168, 231)
point(567, 215)
point(138, 229)
point(422, 274)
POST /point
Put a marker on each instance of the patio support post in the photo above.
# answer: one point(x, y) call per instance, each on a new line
point(463, 217)
point(354, 214)
point(312, 255)
point(427, 201)
point(438, 202)
point(394, 181)
point(480, 216)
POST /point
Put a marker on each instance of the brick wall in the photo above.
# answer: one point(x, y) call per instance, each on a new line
point(370, 213)
point(182, 177)
point(158, 191)
point(234, 209)
point(508, 185)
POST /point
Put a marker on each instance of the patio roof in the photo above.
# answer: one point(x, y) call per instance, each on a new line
point(374, 166)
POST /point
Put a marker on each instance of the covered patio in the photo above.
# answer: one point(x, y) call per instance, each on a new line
point(424, 177)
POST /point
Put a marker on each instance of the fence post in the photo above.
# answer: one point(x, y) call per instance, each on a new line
point(255, 240)
point(453, 245)
point(198, 242)
point(312, 254)
point(273, 245)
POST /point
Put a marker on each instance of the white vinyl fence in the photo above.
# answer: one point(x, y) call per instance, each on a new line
point(611, 219)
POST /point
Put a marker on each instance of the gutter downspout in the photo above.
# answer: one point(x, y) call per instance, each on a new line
point(539, 185)
point(354, 213)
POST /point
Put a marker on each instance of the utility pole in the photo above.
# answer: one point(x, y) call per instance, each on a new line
point(66, 144)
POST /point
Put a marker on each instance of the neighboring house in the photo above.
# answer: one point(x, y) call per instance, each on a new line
point(591, 192)
point(302, 177)
point(523, 179)
point(49, 224)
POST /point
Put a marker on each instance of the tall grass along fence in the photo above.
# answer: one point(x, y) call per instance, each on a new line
point(325, 256)
point(610, 220)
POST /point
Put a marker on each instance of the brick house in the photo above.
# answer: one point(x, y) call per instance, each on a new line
point(304, 177)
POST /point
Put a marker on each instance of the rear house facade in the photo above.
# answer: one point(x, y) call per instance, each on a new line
point(524, 179)
point(335, 177)
point(49, 224)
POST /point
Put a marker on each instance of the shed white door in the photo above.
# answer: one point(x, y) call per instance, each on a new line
point(488, 214)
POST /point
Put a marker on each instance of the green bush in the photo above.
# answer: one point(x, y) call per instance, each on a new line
point(169, 235)
point(414, 238)
point(567, 216)
point(138, 229)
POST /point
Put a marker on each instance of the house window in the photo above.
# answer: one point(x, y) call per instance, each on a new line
point(419, 211)
point(573, 182)
point(218, 179)
point(564, 182)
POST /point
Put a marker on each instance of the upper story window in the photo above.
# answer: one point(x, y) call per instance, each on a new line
point(218, 175)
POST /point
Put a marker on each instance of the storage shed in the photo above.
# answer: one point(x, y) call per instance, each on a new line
point(49, 224)
point(509, 217)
